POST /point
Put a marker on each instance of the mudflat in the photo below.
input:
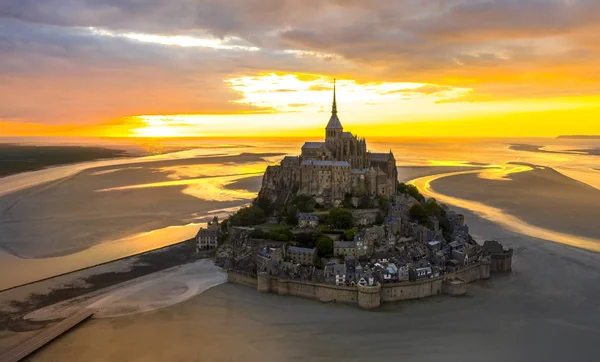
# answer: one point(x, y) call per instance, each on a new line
point(542, 197)
point(74, 213)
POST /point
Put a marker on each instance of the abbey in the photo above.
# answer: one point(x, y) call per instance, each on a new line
point(332, 169)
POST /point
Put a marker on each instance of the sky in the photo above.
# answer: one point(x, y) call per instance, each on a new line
point(218, 68)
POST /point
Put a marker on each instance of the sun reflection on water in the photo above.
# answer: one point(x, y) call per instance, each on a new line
point(206, 181)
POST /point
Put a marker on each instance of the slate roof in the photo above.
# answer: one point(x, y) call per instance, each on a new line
point(344, 244)
point(380, 157)
point(347, 135)
point(298, 250)
point(339, 269)
point(211, 233)
point(313, 144)
point(325, 163)
point(334, 122)
point(307, 216)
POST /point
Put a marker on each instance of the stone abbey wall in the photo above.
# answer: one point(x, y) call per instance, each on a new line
point(367, 297)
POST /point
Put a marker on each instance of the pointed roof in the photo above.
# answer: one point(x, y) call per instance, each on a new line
point(334, 121)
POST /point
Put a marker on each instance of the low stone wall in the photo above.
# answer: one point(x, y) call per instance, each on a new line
point(368, 297)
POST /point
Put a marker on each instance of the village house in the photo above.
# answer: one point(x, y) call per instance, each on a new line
point(381, 257)
point(304, 256)
point(308, 220)
point(420, 270)
point(335, 273)
point(365, 278)
point(208, 238)
point(339, 271)
point(344, 248)
point(387, 273)
point(266, 257)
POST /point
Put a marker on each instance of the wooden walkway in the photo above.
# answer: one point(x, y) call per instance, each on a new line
point(24, 349)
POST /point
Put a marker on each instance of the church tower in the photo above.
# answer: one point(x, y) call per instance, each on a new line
point(334, 128)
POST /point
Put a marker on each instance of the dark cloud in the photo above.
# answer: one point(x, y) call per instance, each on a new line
point(502, 48)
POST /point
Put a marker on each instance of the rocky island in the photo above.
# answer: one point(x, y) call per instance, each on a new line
point(334, 224)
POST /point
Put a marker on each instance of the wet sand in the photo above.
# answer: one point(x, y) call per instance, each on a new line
point(546, 310)
point(70, 214)
point(542, 197)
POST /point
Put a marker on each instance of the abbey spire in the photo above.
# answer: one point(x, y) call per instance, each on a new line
point(334, 106)
point(334, 128)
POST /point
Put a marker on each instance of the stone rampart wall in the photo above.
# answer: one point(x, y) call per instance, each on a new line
point(368, 297)
point(322, 292)
point(501, 262)
point(468, 274)
point(411, 290)
point(241, 278)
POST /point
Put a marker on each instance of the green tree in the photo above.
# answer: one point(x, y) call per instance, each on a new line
point(411, 190)
point(257, 234)
point(362, 190)
point(264, 204)
point(340, 218)
point(349, 234)
point(223, 225)
point(384, 204)
point(324, 245)
point(291, 215)
point(418, 213)
point(246, 216)
point(282, 237)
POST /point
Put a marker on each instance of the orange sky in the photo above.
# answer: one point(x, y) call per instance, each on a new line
point(265, 68)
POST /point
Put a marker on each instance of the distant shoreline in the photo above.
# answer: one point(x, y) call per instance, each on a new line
point(580, 137)
point(17, 158)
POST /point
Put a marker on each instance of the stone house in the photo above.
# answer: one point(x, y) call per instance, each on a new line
point(208, 238)
point(339, 271)
point(365, 278)
point(303, 256)
point(381, 257)
point(387, 273)
point(335, 273)
point(265, 256)
point(403, 272)
point(364, 216)
point(344, 248)
point(308, 220)
point(420, 270)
